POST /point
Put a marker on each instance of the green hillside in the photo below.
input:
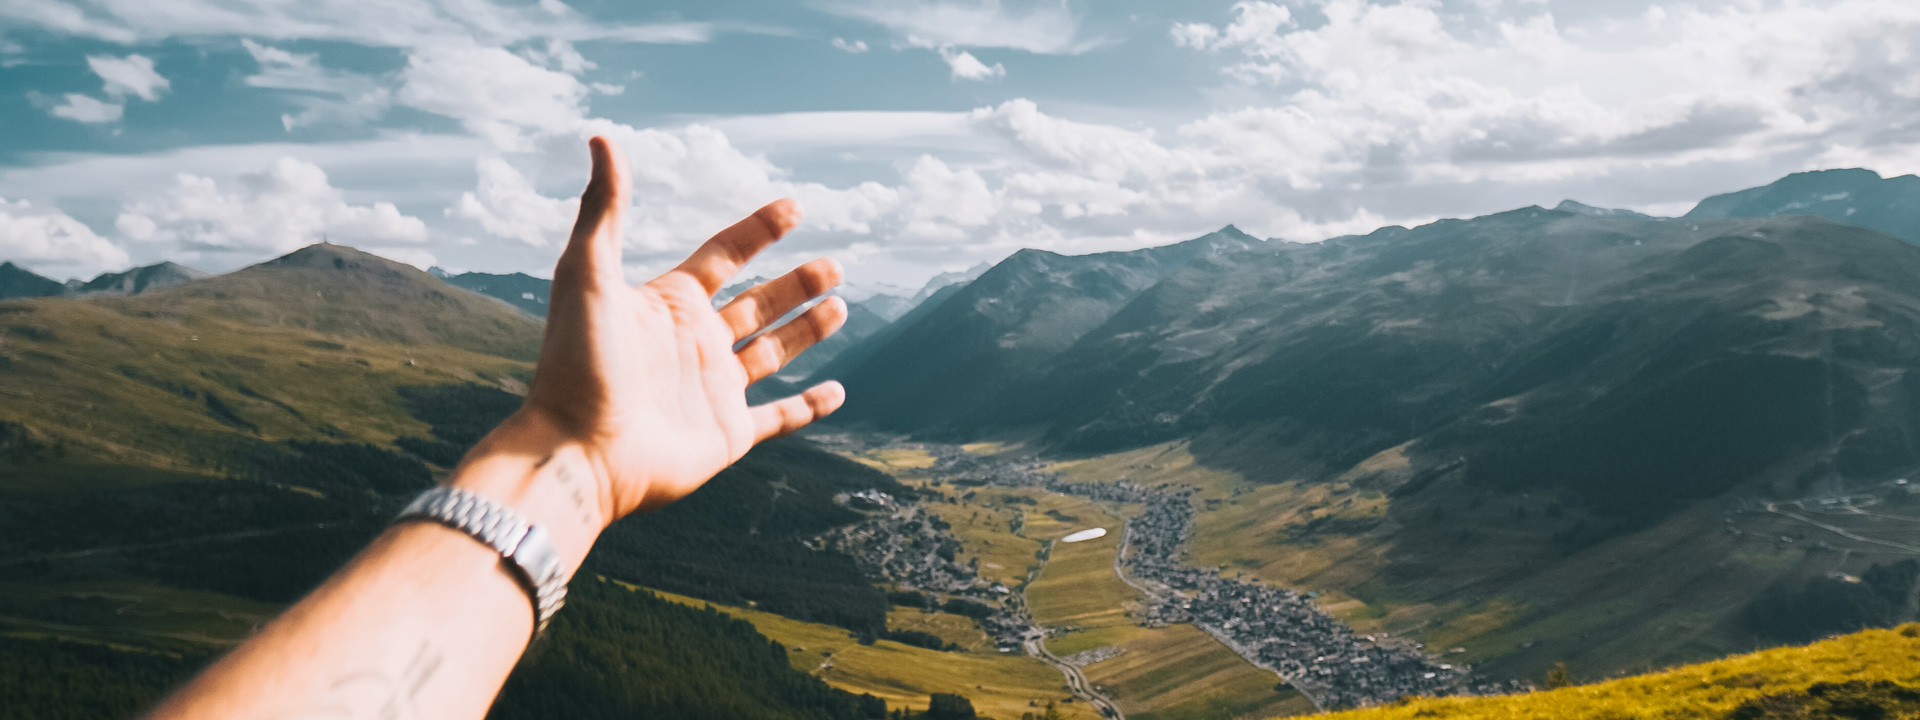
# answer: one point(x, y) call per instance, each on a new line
point(1779, 683)
point(177, 465)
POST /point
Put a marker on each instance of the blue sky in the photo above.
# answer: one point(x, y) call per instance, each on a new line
point(921, 135)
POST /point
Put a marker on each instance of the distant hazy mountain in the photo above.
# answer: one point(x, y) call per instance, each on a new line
point(967, 341)
point(141, 279)
point(869, 307)
point(19, 282)
point(520, 290)
point(1855, 197)
point(945, 280)
point(1579, 208)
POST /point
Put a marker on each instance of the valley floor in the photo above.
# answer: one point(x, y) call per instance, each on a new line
point(999, 685)
point(1077, 596)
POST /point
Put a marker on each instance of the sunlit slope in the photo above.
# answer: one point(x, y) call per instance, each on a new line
point(338, 290)
point(1707, 690)
point(1176, 671)
point(1000, 686)
point(291, 349)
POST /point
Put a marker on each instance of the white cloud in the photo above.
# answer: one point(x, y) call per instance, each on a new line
point(561, 55)
point(120, 77)
point(325, 95)
point(1047, 27)
point(391, 23)
point(81, 108)
point(40, 237)
point(947, 201)
point(1395, 90)
point(289, 205)
point(1336, 116)
point(506, 205)
point(967, 67)
point(494, 93)
point(131, 75)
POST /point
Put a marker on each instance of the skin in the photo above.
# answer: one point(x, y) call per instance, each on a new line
point(638, 399)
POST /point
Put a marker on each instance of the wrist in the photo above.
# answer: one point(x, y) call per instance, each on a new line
point(551, 479)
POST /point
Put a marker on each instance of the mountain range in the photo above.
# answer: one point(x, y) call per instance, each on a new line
point(1574, 435)
point(18, 282)
point(1532, 399)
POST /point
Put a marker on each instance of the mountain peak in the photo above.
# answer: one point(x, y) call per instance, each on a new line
point(1230, 230)
point(1579, 208)
point(1854, 196)
point(19, 282)
point(339, 290)
point(339, 257)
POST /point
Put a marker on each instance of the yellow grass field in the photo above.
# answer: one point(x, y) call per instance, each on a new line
point(1167, 673)
point(957, 629)
point(1706, 690)
point(1180, 671)
point(1000, 686)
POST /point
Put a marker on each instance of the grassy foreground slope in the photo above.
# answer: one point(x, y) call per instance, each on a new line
point(1707, 690)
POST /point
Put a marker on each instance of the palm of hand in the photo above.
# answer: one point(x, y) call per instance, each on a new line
point(648, 376)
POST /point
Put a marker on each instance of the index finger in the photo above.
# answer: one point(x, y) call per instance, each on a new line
point(721, 257)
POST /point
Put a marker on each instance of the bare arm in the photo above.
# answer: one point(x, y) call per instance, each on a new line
point(638, 399)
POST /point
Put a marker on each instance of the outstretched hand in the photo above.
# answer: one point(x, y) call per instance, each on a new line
point(638, 399)
point(648, 378)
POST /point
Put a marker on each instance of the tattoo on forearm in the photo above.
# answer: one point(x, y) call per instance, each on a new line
point(571, 480)
point(377, 694)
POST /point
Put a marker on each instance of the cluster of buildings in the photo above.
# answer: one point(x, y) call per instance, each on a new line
point(909, 547)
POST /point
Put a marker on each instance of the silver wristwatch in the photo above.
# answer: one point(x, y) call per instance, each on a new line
point(524, 548)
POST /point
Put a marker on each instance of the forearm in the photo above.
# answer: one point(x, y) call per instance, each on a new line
point(426, 622)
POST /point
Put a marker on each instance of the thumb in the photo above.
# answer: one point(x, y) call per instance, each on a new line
point(594, 248)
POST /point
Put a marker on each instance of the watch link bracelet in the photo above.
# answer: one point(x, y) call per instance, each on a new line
point(524, 548)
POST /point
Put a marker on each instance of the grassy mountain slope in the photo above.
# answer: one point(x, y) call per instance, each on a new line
point(1705, 691)
point(1856, 197)
point(337, 290)
point(294, 349)
point(998, 329)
